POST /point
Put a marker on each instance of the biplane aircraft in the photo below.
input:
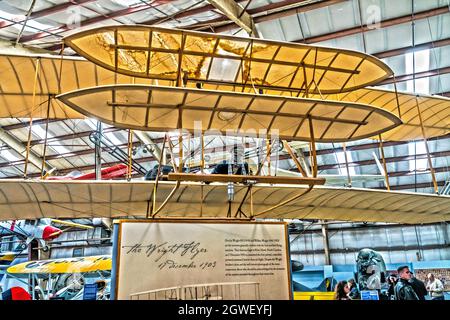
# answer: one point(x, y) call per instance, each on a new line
point(198, 84)
point(157, 79)
point(63, 279)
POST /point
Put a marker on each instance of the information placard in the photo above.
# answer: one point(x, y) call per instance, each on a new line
point(195, 259)
point(369, 295)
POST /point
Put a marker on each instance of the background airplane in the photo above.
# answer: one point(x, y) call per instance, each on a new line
point(64, 278)
point(118, 170)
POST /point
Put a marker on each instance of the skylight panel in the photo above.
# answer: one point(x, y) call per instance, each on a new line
point(40, 132)
point(31, 24)
point(9, 156)
point(111, 136)
point(415, 148)
point(126, 3)
point(341, 159)
point(415, 62)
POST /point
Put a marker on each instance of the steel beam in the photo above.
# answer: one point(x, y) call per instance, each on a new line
point(146, 140)
point(406, 173)
point(181, 14)
point(51, 10)
point(326, 244)
point(373, 145)
point(388, 160)
point(382, 24)
point(26, 124)
point(86, 22)
point(411, 186)
point(279, 10)
point(334, 226)
point(415, 76)
point(71, 136)
point(264, 9)
point(419, 47)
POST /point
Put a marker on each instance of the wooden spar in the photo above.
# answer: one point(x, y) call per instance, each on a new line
point(46, 136)
point(313, 149)
point(306, 94)
point(180, 140)
point(167, 199)
point(430, 164)
point(202, 166)
point(294, 158)
point(60, 68)
point(172, 157)
point(251, 203)
point(386, 176)
point(36, 74)
point(243, 178)
point(130, 153)
point(396, 97)
point(258, 172)
point(349, 178)
point(268, 155)
point(285, 202)
point(155, 187)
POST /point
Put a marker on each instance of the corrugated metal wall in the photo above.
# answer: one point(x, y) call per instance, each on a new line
point(397, 243)
point(82, 243)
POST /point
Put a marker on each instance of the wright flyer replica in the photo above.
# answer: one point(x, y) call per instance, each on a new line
point(203, 236)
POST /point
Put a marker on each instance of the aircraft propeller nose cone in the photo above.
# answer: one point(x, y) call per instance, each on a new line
point(50, 233)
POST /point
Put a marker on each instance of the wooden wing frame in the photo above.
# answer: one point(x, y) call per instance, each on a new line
point(157, 108)
point(22, 199)
point(415, 110)
point(58, 75)
point(183, 56)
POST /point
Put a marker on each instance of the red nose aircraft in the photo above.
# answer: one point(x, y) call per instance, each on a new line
point(118, 170)
point(41, 230)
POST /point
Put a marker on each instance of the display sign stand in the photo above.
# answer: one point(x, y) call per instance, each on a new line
point(200, 259)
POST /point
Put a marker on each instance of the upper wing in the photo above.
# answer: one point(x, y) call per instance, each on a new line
point(171, 54)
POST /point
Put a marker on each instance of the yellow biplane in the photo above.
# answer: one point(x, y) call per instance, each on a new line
point(64, 279)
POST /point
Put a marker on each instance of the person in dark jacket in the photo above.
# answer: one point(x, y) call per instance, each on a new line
point(403, 289)
point(392, 281)
point(419, 287)
point(354, 292)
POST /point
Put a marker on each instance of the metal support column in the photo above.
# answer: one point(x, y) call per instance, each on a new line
point(98, 152)
point(130, 154)
point(326, 245)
